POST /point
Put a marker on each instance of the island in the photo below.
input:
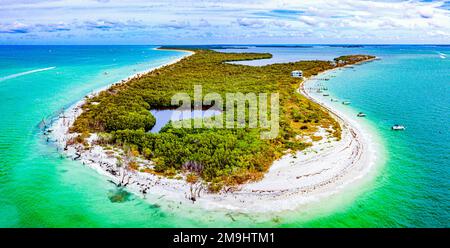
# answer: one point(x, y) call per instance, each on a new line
point(229, 168)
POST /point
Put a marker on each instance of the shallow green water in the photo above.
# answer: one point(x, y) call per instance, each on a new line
point(39, 188)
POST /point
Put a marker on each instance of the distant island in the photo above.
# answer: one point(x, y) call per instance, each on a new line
point(109, 130)
point(347, 46)
point(287, 46)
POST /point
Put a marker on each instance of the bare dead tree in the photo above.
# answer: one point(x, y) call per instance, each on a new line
point(192, 195)
point(192, 166)
point(124, 169)
point(195, 191)
point(198, 189)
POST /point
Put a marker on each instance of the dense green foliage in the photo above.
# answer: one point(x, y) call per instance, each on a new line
point(227, 156)
point(231, 154)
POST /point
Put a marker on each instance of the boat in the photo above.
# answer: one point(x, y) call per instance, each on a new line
point(398, 128)
point(326, 94)
point(361, 114)
point(346, 102)
point(319, 91)
point(334, 100)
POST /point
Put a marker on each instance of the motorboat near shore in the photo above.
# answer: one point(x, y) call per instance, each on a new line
point(334, 100)
point(398, 128)
point(346, 102)
point(326, 94)
point(361, 114)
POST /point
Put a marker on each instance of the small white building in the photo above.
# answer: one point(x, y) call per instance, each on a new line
point(297, 74)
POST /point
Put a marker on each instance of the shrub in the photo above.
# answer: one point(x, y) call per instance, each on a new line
point(192, 178)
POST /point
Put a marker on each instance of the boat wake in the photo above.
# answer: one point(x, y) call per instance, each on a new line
point(25, 73)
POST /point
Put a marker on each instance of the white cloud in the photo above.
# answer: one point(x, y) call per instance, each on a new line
point(15, 28)
point(308, 20)
point(325, 19)
point(250, 23)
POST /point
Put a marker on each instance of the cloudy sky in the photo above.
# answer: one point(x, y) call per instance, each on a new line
point(230, 22)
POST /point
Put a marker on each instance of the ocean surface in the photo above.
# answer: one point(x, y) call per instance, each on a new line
point(409, 85)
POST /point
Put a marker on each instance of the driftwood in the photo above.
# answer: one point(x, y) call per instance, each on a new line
point(78, 156)
point(125, 180)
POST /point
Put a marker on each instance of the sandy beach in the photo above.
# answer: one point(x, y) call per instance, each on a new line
point(322, 170)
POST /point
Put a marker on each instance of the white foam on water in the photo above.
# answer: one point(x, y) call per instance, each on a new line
point(26, 73)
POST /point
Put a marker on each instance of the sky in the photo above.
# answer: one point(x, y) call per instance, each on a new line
point(224, 22)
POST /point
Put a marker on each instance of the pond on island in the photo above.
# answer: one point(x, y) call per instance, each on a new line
point(164, 116)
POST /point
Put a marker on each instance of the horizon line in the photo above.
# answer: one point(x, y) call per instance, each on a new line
point(243, 44)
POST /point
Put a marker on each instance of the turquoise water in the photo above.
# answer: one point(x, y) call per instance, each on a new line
point(164, 116)
point(410, 85)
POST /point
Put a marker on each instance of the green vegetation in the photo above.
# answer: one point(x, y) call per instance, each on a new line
point(219, 156)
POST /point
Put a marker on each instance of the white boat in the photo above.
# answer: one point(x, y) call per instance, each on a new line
point(361, 114)
point(346, 102)
point(398, 127)
point(334, 100)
